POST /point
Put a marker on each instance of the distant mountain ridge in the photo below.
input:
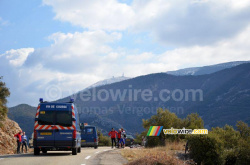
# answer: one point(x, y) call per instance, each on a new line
point(206, 69)
point(226, 96)
point(108, 81)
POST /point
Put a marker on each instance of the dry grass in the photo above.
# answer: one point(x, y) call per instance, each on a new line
point(154, 156)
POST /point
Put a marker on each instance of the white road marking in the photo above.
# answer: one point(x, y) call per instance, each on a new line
point(1, 158)
point(82, 164)
point(105, 150)
point(97, 152)
point(87, 157)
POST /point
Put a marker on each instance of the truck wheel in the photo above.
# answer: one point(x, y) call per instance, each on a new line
point(79, 150)
point(96, 147)
point(74, 151)
point(36, 151)
point(44, 151)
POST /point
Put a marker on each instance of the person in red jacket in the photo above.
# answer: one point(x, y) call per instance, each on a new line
point(113, 135)
point(119, 137)
point(18, 140)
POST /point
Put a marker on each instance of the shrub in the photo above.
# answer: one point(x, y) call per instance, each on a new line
point(103, 140)
point(206, 149)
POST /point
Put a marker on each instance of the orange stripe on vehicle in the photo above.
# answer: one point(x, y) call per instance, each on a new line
point(42, 127)
point(61, 127)
point(38, 107)
point(48, 127)
point(36, 126)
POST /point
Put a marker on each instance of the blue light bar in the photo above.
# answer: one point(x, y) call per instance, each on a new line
point(41, 100)
point(72, 100)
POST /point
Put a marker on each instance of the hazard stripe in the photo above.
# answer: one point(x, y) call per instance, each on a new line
point(49, 126)
point(42, 127)
point(74, 127)
point(36, 126)
point(61, 127)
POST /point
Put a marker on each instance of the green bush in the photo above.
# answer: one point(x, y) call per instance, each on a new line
point(206, 149)
point(103, 140)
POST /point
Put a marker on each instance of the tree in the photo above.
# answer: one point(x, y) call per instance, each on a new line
point(193, 121)
point(163, 118)
point(243, 129)
point(103, 140)
point(4, 93)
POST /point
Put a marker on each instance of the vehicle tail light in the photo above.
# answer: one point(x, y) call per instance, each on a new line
point(74, 134)
point(35, 134)
point(95, 140)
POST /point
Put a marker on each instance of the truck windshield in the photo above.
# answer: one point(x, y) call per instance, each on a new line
point(46, 118)
point(64, 118)
point(88, 131)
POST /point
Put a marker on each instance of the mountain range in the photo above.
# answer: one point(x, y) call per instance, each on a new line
point(222, 98)
point(206, 69)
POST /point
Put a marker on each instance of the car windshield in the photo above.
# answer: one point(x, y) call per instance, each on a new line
point(129, 136)
point(64, 118)
point(46, 118)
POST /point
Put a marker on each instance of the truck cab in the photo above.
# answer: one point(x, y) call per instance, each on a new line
point(57, 128)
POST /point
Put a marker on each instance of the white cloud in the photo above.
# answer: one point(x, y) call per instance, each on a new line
point(77, 52)
point(98, 14)
point(208, 31)
point(175, 22)
point(17, 57)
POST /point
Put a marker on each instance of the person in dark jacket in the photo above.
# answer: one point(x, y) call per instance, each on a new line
point(24, 141)
point(18, 140)
point(113, 135)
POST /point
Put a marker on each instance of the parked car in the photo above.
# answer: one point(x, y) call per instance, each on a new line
point(129, 140)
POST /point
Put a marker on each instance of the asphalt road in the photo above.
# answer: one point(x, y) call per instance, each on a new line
point(88, 156)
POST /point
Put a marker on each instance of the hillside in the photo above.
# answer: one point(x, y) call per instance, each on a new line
point(7, 139)
point(226, 96)
point(24, 115)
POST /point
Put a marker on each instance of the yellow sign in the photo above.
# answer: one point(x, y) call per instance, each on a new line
point(42, 112)
point(83, 140)
point(46, 133)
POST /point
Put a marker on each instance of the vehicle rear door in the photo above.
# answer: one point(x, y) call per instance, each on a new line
point(90, 134)
point(64, 126)
point(44, 127)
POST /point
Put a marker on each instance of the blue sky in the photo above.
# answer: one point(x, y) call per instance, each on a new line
point(71, 44)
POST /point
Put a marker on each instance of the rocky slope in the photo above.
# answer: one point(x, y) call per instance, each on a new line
point(7, 139)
